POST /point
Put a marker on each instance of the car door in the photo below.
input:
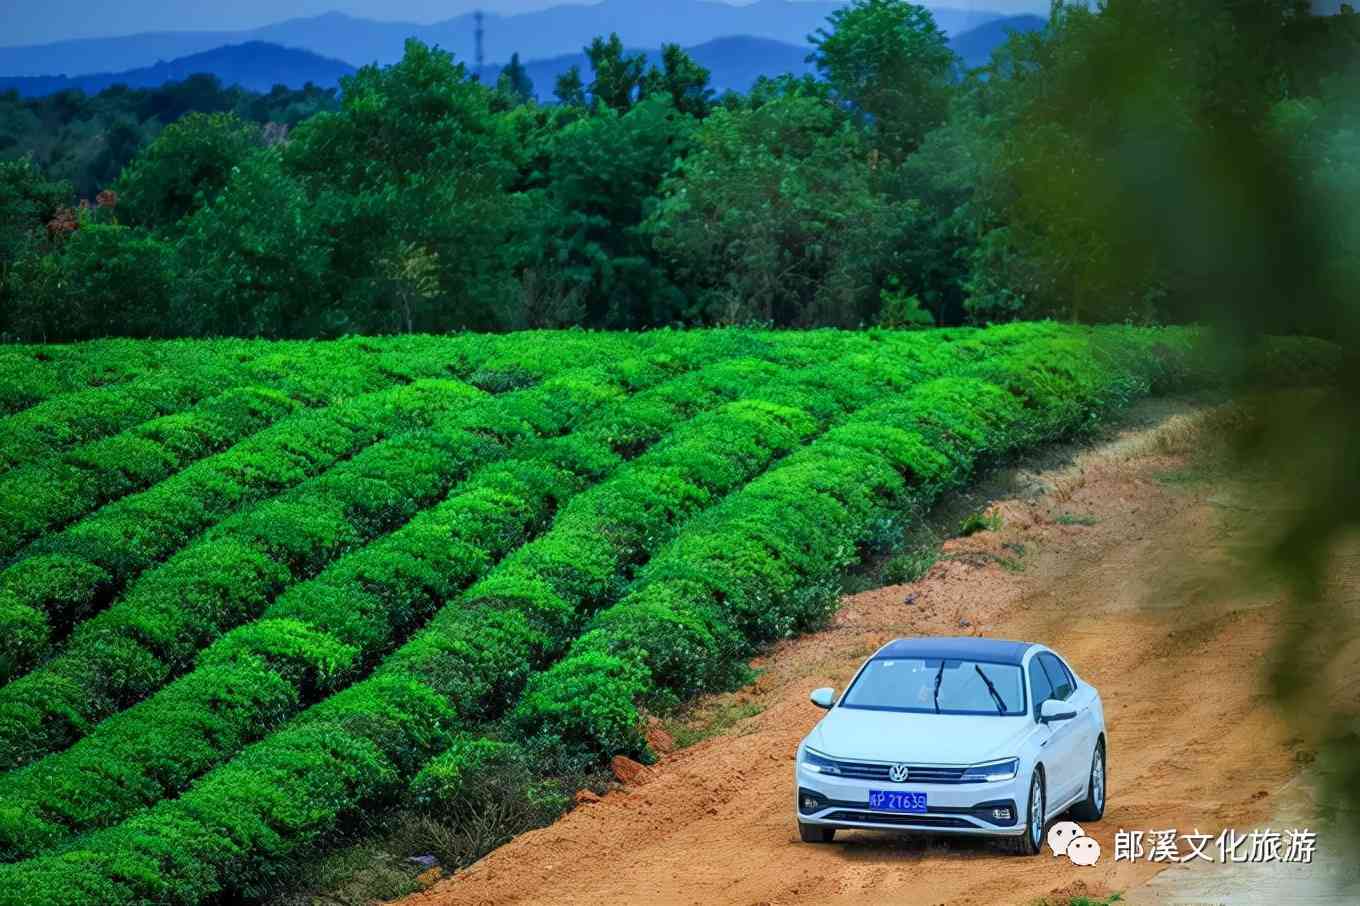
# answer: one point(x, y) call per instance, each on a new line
point(1088, 715)
point(1088, 721)
point(1040, 691)
point(1066, 759)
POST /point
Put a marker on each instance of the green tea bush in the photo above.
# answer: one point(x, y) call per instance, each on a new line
point(46, 495)
point(179, 374)
point(319, 633)
point(312, 638)
point(30, 375)
point(137, 532)
point(626, 560)
point(751, 434)
point(230, 576)
point(469, 777)
point(760, 565)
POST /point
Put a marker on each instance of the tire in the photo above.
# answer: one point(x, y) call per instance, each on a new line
point(815, 833)
point(1031, 842)
point(1093, 807)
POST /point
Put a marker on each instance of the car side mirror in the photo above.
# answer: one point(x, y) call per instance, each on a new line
point(1054, 709)
point(824, 697)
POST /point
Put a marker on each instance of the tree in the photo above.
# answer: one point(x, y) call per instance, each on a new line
point(122, 140)
point(683, 79)
point(603, 175)
point(414, 154)
point(902, 310)
point(570, 90)
point(618, 77)
point(945, 177)
point(184, 168)
point(773, 217)
point(891, 61)
point(245, 274)
point(514, 81)
point(118, 281)
point(412, 274)
point(102, 280)
point(1128, 185)
point(201, 93)
point(28, 202)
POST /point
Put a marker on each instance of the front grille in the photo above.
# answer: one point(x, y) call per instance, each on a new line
point(861, 770)
point(901, 820)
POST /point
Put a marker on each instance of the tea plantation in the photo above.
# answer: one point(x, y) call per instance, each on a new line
point(252, 594)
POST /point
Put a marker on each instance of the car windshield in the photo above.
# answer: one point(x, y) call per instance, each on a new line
point(910, 684)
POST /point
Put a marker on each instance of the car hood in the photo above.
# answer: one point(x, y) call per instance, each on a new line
point(852, 733)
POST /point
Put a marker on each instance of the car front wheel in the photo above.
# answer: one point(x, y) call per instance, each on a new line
point(1032, 840)
point(815, 833)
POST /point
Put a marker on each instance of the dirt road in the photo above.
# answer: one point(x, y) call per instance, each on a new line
point(1193, 744)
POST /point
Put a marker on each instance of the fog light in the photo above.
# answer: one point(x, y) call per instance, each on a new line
point(1001, 814)
point(810, 801)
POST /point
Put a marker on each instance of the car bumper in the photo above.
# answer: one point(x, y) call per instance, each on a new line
point(985, 809)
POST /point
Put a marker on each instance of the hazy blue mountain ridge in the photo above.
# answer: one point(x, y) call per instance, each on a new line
point(255, 65)
point(539, 35)
point(975, 46)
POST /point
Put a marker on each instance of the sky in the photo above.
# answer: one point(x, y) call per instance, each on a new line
point(41, 21)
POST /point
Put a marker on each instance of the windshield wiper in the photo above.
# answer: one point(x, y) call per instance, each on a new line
point(996, 696)
point(939, 676)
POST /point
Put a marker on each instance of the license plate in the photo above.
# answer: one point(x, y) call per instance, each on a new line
point(893, 801)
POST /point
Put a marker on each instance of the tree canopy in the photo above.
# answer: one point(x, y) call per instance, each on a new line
point(1076, 176)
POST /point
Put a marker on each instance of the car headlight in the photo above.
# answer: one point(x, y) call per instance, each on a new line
point(819, 764)
point(992, 771)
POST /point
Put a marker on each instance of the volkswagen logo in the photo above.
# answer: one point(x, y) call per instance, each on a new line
point(898, 773)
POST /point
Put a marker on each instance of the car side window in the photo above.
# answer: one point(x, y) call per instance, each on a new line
point(1041, 690)
point(1061, 680)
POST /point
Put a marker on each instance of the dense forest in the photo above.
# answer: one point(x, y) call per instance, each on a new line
point(88, 140)
point(1075, 176)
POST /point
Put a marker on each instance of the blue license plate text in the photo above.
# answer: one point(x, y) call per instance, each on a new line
point(894, 801)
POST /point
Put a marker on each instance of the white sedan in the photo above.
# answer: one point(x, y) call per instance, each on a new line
point(955, 736)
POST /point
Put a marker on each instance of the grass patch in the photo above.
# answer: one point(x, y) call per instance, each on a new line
point(359, 874)
point(1079, 900)
point(1076, 519)
point(690, 728)
point(391, 853)
point(981, 521)
point(910, 566)
point(1015, 564)
point(1197, 472)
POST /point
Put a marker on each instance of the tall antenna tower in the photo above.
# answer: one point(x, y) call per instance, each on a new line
point(480, 34)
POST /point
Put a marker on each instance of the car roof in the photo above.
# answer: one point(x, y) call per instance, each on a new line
point(1000, 651)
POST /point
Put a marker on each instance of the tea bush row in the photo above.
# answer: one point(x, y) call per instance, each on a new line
point(114, 657)
point(82, 567)
point(321, 634)
point(151, 635)
point(477, 654)
point(763, 565)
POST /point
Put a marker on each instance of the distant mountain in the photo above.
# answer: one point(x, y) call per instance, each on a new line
point(734, 63)
point(975, 46)
point(737, 62)
point(538, 35)
point(254, 65)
